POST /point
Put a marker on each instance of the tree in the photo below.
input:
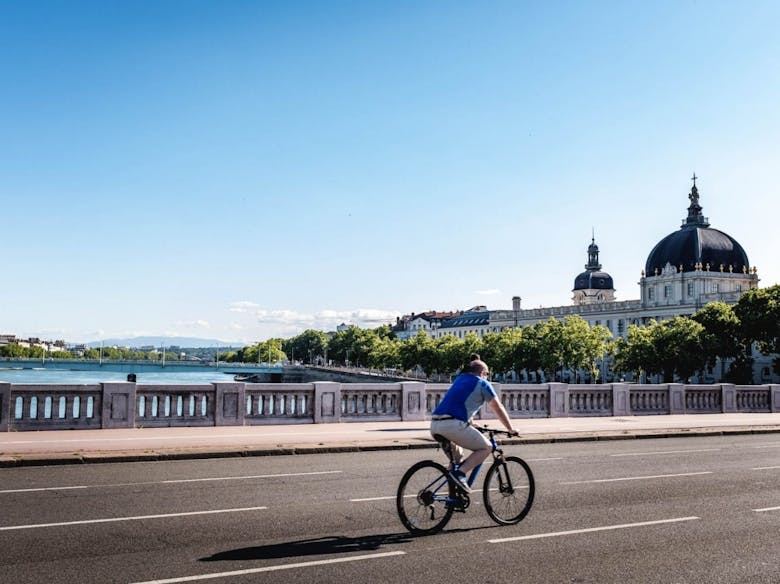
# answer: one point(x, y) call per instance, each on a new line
point(758, 311)
point(636, 352)
point(306, 346)
point(416, 351)
point(721, 338)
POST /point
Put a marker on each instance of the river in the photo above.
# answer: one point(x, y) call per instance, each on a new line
point(67, 376)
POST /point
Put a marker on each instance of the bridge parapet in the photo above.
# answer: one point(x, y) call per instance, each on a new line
point(128, 405)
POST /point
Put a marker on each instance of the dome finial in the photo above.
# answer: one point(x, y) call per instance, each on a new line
point(695, 216)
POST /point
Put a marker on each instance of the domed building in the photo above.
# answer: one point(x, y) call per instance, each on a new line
point(695, 265)
point(593, 285)
point(684, 271)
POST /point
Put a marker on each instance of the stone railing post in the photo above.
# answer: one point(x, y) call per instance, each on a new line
point(774, 398)
point(5, 406)
point(728, 398)
point(412, 401)
point(229, 404)
point(676, 398)
point(119, 405)
point(559, 400)
point(621, 402)
point(327, 402)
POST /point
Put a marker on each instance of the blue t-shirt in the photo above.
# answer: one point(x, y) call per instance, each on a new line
point(465, 396)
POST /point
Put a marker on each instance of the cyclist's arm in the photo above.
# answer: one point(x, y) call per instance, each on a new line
point(498, 408)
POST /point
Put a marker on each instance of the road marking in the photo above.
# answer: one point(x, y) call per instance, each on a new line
point(545, 459)
point(173, 481)
point(270, 476)
point(136, 518)
point(592, 529)
point(683, 474)
point(765, 468)
point(767, 446)
point(667, 452)
point(43, 489)
point(393, 497)
point(276, 568)
point(767, 509)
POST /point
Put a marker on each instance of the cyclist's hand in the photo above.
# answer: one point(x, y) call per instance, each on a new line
point(514, 433)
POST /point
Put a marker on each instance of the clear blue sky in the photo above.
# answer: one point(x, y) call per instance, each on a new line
point(239, 170)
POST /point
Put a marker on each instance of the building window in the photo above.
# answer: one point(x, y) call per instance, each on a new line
point(651, 293)
point(715, 287)
point(667, 291)
point(620, 326)
point(690, 288)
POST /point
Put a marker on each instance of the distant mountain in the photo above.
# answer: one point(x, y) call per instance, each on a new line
point(184, 342)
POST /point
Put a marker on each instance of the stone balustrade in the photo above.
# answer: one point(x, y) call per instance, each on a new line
point(129, 405)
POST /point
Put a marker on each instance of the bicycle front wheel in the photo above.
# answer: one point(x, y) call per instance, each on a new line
point(509, 490)
point(425, 498)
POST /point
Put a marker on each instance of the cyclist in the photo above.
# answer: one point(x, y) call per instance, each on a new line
point(452, 418)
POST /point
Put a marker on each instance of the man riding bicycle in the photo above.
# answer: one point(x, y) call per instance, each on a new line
point(452, 418)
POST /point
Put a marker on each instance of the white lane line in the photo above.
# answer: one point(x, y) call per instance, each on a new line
point(269, 476)
point(43, 489)
point(765, 468)
point(136, 518)
point(683, 474)
point(393, 497)
point(174, 481)
point(767, 446)
point(666, 452)
point(545, 459)
point(767, 509)
point(592, 529)
point(273, 568)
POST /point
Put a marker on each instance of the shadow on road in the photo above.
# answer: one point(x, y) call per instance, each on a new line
point(311, 547)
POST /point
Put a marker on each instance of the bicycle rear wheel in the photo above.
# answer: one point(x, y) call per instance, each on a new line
point(509, 490)
point(424, 499)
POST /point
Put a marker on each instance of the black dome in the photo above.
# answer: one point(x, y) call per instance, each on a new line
point(697, 244)
point(593, 280)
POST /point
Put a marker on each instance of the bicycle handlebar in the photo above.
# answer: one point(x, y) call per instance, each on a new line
point(487, 429)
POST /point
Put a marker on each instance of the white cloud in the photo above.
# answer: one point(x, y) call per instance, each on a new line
point(325, 319)
point(243, 306)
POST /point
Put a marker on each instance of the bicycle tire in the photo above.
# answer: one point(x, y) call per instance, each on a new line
point(507, 502)
point(424, 498)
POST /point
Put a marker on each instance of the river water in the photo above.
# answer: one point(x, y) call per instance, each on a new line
point(65, 376)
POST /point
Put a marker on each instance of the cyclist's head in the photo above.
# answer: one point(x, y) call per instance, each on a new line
point(476, 366)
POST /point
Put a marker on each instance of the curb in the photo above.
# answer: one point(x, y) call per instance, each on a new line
point(43, 459)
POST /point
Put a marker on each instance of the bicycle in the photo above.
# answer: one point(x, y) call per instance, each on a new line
point(427, 497)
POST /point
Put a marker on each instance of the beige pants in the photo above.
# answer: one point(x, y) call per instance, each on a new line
point(461, 434)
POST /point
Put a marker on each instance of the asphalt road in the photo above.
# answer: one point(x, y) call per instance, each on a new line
point(686, 510)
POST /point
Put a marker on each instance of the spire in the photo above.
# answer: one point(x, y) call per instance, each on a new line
point(593, 264)
point(695, 216)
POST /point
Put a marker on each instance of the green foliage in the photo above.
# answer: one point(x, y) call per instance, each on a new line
point(758, 311)
point(306, 346)
point(664, 348)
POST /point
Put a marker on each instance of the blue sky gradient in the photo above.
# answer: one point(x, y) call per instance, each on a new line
point(240, 170)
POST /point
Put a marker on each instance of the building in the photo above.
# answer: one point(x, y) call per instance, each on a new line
point(688, 268)
point(430, 322)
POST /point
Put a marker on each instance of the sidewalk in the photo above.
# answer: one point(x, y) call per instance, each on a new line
point(84, 446)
